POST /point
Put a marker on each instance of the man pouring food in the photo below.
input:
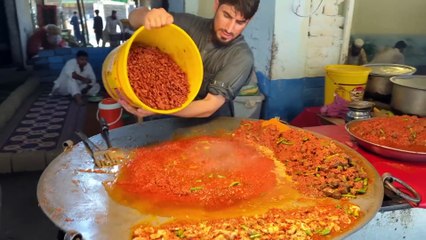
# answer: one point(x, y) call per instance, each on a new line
point(227, 59)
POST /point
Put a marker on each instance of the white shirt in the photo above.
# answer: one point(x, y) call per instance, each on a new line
point(390, 55)
point(72, 66)
point(111, 25)
point(65, 84)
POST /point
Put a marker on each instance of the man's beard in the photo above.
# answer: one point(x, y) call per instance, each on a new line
point(217, 41)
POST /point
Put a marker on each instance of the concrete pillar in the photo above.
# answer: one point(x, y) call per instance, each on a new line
point(14, 34)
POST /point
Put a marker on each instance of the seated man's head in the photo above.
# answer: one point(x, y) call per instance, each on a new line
point(401, 45)
point(53, 34)
point(114, 14)
point(231, 18)
point(357, 46)
point(82, 57)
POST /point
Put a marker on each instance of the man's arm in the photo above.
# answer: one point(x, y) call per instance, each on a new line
point(155, 18)
point(81, 78)
point(197, 109)
point(363, 57)
point(398, 58)
point(91, 74)
point(202, 108)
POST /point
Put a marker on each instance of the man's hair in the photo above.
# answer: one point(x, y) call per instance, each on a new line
point(113, 11)
point(96, 11)
point(81, 53)
point(52, 29)
point(400, 45)
point(75, 12)
point(246, 7)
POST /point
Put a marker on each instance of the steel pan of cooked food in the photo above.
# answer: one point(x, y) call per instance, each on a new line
point(400, 137)
point(224, 179)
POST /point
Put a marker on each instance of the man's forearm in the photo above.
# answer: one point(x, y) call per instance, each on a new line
point(81, 78)
point(137, 17)
point(202, 108)
point(195, 109)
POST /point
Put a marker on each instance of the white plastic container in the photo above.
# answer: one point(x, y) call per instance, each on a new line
point(248, 106)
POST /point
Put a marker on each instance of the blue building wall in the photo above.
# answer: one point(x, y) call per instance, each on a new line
point(177, 6)
point(259, 35)
point(286, 98)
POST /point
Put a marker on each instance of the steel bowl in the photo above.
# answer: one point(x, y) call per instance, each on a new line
point(378, 83)
point(385, 151)
point(409, 94)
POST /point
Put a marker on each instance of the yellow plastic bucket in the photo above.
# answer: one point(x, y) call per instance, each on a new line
point(169, 39)
point(347, 81)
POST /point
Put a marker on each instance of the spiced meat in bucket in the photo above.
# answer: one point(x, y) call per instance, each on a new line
point(151, 72)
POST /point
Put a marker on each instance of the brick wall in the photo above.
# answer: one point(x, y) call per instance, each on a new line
point(325, 37)
point(308, 35)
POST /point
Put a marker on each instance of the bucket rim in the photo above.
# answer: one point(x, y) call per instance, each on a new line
point(347, 68)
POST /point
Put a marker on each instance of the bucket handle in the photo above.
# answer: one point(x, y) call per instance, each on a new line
point(115, 121)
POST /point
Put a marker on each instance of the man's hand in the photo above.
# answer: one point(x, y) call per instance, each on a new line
point(86, 89)
point(138, 112)
point(157, 17)
point(80, 78)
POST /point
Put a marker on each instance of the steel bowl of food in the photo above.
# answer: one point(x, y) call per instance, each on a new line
point(409, 94)
point(379, 86)
point(396, 137)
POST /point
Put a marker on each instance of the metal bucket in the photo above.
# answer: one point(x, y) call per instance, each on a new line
point(379, 86)
point(409, 94)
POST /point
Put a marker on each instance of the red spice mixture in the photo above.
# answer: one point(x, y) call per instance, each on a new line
point(401, 132)
point(318, 167)
point(217, 172)
point(156, 79)
point(204, 172)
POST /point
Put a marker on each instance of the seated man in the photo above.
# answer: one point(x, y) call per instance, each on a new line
point(77, 78)
point(393, 55)
point(357, 55)
point(47, 37)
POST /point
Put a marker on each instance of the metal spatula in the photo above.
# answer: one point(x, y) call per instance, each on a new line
point(102, 158)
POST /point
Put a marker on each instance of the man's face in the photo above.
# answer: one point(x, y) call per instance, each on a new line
point(228, 24)
point(82, 61)
point(53, 39)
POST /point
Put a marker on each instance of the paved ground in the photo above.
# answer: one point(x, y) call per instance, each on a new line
point(21, 218)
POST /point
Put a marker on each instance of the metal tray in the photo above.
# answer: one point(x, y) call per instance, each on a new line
point(390, 152)
point(73, 197)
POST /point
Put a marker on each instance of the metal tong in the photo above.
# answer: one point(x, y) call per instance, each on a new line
point(105, 131)
point(102, 158)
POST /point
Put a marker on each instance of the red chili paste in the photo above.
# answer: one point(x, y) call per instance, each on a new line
point(200, 172)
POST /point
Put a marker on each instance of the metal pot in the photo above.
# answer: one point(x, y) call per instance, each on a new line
point(359, 110)
point(378, 84)
point(409, 94)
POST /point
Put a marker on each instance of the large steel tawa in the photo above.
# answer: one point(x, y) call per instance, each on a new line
point(72, 195)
